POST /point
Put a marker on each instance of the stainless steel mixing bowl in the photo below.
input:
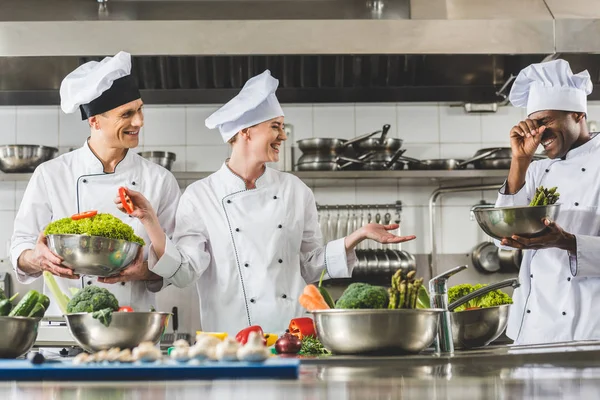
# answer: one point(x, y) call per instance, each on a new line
point(126, 330)
point(382, 332)
point(24, 157)
point(162, 158)
point(507, 221)
point(479, 327)
point(93, 255)
point(17, 335)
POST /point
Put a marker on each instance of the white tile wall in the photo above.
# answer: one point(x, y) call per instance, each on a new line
point(430, 130)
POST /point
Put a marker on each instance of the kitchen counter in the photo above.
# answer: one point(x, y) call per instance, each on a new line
point(564, 370)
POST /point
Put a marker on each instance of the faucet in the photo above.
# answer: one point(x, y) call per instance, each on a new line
point(438, 293)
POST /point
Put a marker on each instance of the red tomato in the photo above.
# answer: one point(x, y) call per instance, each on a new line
point(125, 309)
point(86, 214)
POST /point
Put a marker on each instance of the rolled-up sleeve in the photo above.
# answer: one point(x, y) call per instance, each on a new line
point(586, 261)
point(316, 257)
point(186, 255)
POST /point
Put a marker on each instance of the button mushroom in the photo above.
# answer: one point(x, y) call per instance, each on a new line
point(125, 356)
point(113, 354)
point(81, 358)
point(204, 348)
point(227, 350)
point(254, 350)
point(146, 352)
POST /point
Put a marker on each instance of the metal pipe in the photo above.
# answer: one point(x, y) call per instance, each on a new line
point(432, 203)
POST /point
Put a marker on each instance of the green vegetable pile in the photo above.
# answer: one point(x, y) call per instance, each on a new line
point(34, 304)
point(407, 292)
point(311, 346)
point(492, 299)
point(105, 225)
point(363, 295)
point(96, 300)
point(544, 197)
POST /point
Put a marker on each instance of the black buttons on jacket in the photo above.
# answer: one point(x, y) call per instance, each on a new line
point(582, 169)
point(576, 204)
point(84, 181)
point(531, 276)
point(547, 170)
point(528, 311)
point(569, 279)
point(284, 296)
point(280, 226)
point(252, 301)
point(274, 197)
point(280, 261)
point(89, 283)
point(237, 229)
point(246, 265)
point(133, 183)
point(123, 283)
point(228, 201)
point(564, 313)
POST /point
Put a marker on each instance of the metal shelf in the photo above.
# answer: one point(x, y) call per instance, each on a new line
point(416, 176)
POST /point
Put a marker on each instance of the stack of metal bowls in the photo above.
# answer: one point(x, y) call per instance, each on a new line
point(24, 158)
point(383, 331)
point(18, 334)
point(93, 255)
point(126, 330)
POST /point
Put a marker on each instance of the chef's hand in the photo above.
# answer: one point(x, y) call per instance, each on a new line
point(136, 271)
point(554, 237)
point(41, 259)
point(376, 232)
point(142, 210)
point(525, 138)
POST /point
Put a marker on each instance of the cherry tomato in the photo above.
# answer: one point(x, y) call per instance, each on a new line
point(125, 309)
point(86, 214)
point(126, 201)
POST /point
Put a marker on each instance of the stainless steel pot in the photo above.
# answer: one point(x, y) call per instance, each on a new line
point(485, 258)
point(380, 144)
point(434, 164)
point(510, 260)
point(329, 162)
point(379, 162)
point(330, 146)
point(498, 163)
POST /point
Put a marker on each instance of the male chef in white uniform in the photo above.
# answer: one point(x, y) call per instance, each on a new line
point(89, 178)
point(560, 272)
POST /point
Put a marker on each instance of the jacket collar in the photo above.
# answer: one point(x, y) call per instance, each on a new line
point(234, 183)
point(589, 146)
point(93, 164)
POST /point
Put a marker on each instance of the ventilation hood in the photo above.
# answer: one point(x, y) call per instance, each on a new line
point(201, 51)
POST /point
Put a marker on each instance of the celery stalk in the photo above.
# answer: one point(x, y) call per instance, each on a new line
point(60, 298)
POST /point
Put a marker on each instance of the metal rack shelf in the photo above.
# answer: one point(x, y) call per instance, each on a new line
point(415, 176)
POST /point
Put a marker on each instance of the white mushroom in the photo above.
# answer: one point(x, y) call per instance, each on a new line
point(125, 356)
point(227, 350)
point(146, 352)
point(181, 343)
point(180, 353)
point(204, 348)
point(113, 354)
point(207, 340)
point(254, 350)
point(81, 358)
point(102, 355)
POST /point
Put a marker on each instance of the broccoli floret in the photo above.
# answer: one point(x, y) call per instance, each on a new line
point(492, 299)
point(92, 299)
point(2, 295)
point(363, 295)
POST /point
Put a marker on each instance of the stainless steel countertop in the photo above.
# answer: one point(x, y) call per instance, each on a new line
point(565, 371)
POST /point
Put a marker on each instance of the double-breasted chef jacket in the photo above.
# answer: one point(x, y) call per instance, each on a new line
point(559, 293)
point(250, 252)
point(76, 182)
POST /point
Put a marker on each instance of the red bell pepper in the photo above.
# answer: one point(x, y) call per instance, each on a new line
point(85, 214)
point(242, 336)
point(302, 327)
point(125, 200)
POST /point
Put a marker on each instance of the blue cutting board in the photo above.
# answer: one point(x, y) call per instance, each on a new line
point(23, 370)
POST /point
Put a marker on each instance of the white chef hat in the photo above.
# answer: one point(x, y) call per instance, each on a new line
point(551, 86)
point(96, 87)
point(255, 103)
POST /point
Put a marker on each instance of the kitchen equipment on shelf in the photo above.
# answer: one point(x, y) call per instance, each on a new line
point(496, 158)
point(381, 331)
point(382, 263)
point(170, 338)
point(163, 158)
point(329, 162)
point(93, 255)
point(331, 146)
point(18, 335)
point(527, 221)
point(485, 258)
point(510, 260)
point(433, 164)
point(382, 144)
point(380, 161)
point(15, 158)
point(126, 330)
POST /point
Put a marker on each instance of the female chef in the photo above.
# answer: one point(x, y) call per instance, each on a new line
point(248, 235)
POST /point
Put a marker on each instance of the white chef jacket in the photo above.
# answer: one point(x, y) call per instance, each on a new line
point(251, 252)
point(76, 182)
point(558, 297)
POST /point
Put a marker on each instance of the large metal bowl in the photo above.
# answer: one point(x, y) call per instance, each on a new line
point(17, 335)
point(479, 327)
point(163, 158)
point(93, 255)
point(524, 221)
point(24, 157)
point(382, 332)
point(126, 330)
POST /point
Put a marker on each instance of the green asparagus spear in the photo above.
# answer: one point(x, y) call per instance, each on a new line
point(402, 294)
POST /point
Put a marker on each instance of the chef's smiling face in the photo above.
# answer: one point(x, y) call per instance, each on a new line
point(265, 140)
point(563, 129)
point(120, 127)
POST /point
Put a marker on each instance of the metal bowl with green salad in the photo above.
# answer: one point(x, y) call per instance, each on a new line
point(95, 245)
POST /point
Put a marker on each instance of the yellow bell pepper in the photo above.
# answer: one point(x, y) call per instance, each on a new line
point(218, 335)
point(271, 339)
